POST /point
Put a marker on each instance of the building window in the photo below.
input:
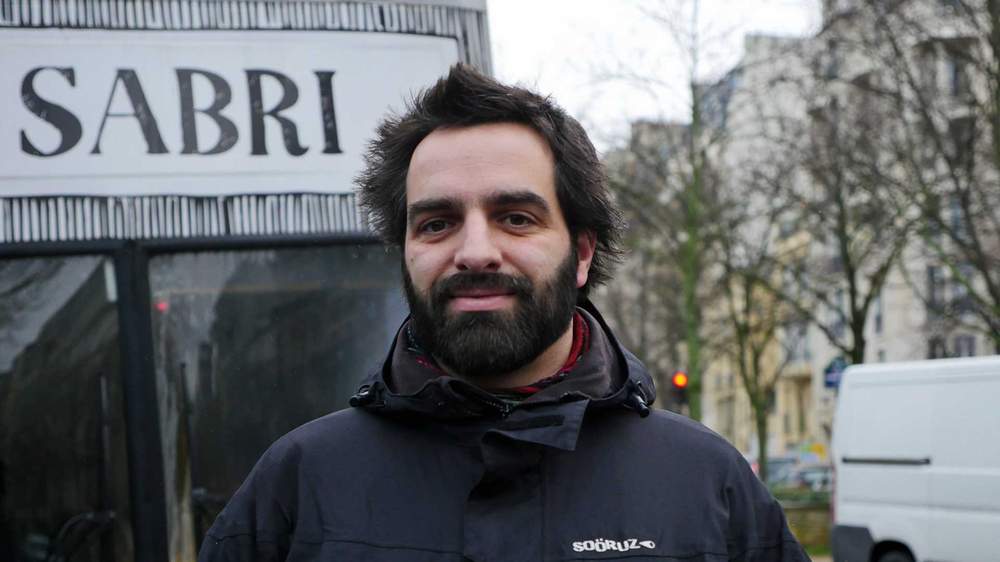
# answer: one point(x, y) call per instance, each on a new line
point(936, 348)
point(962, 134)
point(63, 428)
point(796, 341)
point(259, 321)
point(862, 99)
point(878, 314)
point(956, 217)
point(831, 63)
point(958, 76)
point(837, 323)
point(927, 64)
point(881, 356)
point(935, 288)
point(961, 301)
point(965, 345)
point(823, 121)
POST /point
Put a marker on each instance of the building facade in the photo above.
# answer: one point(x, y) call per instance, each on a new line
point(894, 95)
point(863, 168)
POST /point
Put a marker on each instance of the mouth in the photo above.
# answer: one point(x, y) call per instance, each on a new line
point(475, 300)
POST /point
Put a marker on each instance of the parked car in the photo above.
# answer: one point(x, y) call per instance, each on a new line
point(814, 477)
point(778, 467)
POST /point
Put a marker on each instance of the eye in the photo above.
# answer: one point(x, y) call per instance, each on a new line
point(518, 220)
point(434, 226)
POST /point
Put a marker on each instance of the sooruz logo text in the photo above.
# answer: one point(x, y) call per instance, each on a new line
point(604, 545)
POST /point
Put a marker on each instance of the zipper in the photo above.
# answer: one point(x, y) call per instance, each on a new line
point(502, 408)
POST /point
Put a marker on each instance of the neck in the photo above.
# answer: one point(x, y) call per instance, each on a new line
point(547, 363)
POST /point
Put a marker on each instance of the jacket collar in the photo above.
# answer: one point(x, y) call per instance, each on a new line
point(606, 376)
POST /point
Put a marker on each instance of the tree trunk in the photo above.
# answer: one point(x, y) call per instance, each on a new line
point(760, 419)
point(693, 344)
point(859, 343)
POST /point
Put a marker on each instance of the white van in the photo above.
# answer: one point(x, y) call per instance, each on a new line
point(917, 459)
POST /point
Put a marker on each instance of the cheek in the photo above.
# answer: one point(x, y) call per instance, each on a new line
point(539, 263)
point(422, 266)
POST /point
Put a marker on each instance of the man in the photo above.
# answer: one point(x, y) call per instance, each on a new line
point(507, 423)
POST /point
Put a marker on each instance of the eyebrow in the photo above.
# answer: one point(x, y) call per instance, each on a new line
point(496, 199)
point(432, 205)
point(518, 197)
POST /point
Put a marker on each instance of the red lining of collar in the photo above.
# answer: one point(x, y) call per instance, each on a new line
point(581, 343)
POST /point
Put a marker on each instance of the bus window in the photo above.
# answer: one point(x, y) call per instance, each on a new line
point(63, 467)
point(250, 344)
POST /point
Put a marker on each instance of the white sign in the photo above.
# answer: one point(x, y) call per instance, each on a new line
point(200, 112)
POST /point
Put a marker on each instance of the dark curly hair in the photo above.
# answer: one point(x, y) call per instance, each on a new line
point(465, 98)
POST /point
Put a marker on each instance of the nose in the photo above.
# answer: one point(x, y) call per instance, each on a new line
point(477, 250)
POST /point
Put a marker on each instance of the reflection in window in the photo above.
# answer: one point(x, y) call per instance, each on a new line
point(249, 345)
point(63, 480)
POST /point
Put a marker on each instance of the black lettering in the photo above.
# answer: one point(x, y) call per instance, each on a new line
point(228, 135)
point(140, 110)
point(331, 138)
point(289, 95)
point(58, 116)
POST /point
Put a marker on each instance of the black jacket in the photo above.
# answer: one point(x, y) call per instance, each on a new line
point(430, 468)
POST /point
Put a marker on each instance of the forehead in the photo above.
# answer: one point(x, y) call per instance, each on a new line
point(469, 162)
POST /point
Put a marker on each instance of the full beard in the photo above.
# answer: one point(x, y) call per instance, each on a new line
point(484, 343)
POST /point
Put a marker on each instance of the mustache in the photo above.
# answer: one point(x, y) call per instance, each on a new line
point(446, 288)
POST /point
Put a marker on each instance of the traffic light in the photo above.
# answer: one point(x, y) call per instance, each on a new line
point(680, 380)
point(679, 383)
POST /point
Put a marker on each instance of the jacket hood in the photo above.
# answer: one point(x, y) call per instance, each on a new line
point(606, 376)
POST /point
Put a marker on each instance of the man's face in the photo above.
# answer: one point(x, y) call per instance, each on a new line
point(491, 270)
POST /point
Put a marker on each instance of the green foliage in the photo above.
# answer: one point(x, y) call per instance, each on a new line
point(818, 550)
point(799, 495)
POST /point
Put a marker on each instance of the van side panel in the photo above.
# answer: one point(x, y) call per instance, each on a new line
point(887, 423)
point(965, 473)
point(882, 426)
point(917, 452)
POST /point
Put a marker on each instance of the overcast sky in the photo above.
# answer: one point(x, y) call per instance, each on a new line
point(570, 48)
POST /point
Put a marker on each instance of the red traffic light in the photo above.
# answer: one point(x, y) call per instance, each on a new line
point(680, 379)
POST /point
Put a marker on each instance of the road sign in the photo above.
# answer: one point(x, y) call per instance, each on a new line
point(833, 371)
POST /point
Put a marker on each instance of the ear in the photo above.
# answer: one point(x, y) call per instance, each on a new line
point(586, 242)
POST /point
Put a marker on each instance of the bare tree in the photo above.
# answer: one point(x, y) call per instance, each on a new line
point(755, 320)
point(658, 310)
point(853, 243)
point(752, 253)
point(939, 65)
point(669, 190)
point(833, 145)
